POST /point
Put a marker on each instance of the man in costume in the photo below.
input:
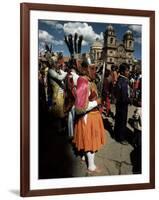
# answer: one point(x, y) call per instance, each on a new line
point(89, 134)
point(56, 78)
point(74, 47)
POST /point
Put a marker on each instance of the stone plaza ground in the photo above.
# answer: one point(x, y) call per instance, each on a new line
point(113, 159)
point(58, 158)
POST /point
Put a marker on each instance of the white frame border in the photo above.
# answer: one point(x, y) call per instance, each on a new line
point(35, 183)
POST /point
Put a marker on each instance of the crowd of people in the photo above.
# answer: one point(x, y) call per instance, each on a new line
point(72, 93)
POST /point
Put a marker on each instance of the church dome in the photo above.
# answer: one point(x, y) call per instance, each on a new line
point(128, 32)
point(128, 35)
point(110, 27)
point(97, 43)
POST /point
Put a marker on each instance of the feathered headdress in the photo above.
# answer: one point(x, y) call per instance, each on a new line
point(74, 44)
point(47, 48)
point(86, 60)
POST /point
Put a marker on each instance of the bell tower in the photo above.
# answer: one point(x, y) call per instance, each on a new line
point(109, 37)
point(110, 46)
point(128, 41)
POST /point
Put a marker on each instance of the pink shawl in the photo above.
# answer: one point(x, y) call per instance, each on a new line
point(82, 93)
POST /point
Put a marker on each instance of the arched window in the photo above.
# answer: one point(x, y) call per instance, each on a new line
point(130, 43)
point(111, 40)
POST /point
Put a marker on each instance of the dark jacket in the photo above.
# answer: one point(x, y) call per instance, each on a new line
point(122, 91)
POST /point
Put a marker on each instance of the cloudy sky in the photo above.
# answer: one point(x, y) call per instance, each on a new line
point(53, 33)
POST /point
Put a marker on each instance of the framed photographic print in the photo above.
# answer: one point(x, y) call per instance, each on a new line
point(87, 99)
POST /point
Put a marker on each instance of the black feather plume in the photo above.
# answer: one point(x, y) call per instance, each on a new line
point(80, 43)
point(70, 43)
point(67, 43)
point(50, 48)
point(75, 44)
point(47, 47)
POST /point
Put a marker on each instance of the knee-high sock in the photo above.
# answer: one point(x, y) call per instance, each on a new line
point(91, 164)
point(83, 157)
point(70, 124)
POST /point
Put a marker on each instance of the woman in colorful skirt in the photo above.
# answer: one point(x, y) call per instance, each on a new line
point(89, 132)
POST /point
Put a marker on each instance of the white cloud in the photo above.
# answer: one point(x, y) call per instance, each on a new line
point(89, 36)
point(137, 33)
point(53, 24)
point(44, 36)
point(136, 28)
point(49, 22)
point(41, 46)
point(58, 42)
point(59, 26)
point(137, 40)
point(84, 43)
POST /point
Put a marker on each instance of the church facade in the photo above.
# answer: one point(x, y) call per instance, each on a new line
point(114, 52)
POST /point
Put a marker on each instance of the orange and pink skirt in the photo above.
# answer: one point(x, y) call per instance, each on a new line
point(89, 135)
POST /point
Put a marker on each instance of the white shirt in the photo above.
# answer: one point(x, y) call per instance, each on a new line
point(75, 77)
point(59, 76)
